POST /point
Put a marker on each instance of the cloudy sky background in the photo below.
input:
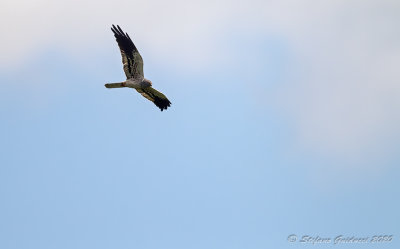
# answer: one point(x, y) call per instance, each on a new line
point(284, 120)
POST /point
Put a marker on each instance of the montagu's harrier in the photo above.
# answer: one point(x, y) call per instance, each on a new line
point(133, 67)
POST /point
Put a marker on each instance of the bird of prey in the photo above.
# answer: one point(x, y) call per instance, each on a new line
point(133, 68)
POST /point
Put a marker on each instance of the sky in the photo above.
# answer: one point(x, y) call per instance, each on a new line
point(284, 121)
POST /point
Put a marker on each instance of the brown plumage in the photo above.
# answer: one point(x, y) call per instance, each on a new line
point(133, 68)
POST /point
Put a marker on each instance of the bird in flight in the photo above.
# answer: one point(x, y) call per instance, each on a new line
point(133, 68)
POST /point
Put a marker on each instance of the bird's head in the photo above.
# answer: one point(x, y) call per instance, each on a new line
point(146, 82)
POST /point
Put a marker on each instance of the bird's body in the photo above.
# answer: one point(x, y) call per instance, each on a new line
point(133, 68)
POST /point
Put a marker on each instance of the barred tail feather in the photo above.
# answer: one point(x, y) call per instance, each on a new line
point(114, 85)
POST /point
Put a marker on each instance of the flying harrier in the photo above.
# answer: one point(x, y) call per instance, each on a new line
point(133, 68)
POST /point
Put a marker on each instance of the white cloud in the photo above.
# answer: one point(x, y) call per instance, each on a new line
point(346, 93)
point(181, 29)
point(346, 100)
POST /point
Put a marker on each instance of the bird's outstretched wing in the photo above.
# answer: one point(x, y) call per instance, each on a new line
point(156, 97)
point(132, 60)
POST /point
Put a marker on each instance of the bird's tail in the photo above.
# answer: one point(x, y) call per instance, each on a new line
point(115, 85)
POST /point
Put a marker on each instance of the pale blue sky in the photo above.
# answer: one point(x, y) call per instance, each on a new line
point(274, 134)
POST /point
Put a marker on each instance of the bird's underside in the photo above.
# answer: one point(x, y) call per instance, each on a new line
point(133, 68)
